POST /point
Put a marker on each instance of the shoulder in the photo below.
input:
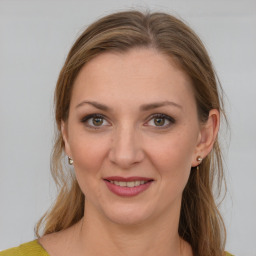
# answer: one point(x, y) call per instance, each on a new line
point(32, 248)
point(228, 254)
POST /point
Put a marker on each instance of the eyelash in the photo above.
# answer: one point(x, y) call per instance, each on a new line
point(165, 117)
point(86, 118)
point(158, 115)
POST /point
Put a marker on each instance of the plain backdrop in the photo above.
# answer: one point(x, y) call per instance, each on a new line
point(35, 37)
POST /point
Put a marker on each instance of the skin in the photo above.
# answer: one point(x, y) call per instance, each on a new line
point(129, 142)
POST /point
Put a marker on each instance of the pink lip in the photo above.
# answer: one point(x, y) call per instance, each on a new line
point(118, 178)
point(127, 191)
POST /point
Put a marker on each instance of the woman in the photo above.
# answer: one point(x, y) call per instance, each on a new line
point(138, 112)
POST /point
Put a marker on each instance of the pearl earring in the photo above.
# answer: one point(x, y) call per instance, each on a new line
point(199, 159)
point(70, 160)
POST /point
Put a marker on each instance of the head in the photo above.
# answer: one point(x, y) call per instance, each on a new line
point(166, 41)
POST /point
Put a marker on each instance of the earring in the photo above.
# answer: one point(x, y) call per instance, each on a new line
point(70, 160)
point(199, 159)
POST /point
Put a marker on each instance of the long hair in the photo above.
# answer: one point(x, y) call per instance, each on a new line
point(200, 223)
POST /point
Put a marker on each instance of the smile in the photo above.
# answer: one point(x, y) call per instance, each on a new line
point(129, 184)
point(127, 187)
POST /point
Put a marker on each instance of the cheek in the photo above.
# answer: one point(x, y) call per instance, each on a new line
point(172, 157)
point(88, 153)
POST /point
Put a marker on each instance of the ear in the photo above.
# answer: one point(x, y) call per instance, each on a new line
point(64, 132)
point(207, 136)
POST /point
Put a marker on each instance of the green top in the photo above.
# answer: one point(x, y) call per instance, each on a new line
point(33, 248)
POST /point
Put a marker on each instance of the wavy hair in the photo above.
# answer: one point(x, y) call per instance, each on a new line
point(201, 224)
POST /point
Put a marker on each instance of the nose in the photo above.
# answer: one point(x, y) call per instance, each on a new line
point(126, 147)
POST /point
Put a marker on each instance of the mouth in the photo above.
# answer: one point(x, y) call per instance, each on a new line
point(127, 186)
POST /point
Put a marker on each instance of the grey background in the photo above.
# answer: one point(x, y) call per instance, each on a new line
point(35, 37)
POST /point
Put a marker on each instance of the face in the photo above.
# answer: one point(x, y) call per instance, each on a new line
point(132, 120)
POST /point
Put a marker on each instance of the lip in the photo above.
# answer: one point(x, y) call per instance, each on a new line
point(127, 191)
point(127, 179)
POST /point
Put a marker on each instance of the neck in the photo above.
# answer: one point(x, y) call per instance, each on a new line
point(153, 237)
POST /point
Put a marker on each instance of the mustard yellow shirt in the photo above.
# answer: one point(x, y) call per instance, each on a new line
point(34, 249)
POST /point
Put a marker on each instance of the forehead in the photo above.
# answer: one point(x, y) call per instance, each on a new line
point(139, 75)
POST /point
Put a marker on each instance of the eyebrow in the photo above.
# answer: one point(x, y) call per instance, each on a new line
point(153, 105)
point(95, 104)
point(144, 107)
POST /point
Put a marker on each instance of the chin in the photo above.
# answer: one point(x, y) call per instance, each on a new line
point(127, 219)
point(128, 215)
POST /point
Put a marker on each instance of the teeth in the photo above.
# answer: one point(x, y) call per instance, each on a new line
point(122, 183)
point(137, 183)
point(129, 184)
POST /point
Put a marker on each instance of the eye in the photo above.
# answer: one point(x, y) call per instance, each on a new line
point(95, 121)
point(161, 121)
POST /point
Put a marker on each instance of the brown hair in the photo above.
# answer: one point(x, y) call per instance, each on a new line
point(200, 221)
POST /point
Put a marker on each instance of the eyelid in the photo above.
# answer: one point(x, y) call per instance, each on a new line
point(164, 116)
point(95, 115)
point(170, 119)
